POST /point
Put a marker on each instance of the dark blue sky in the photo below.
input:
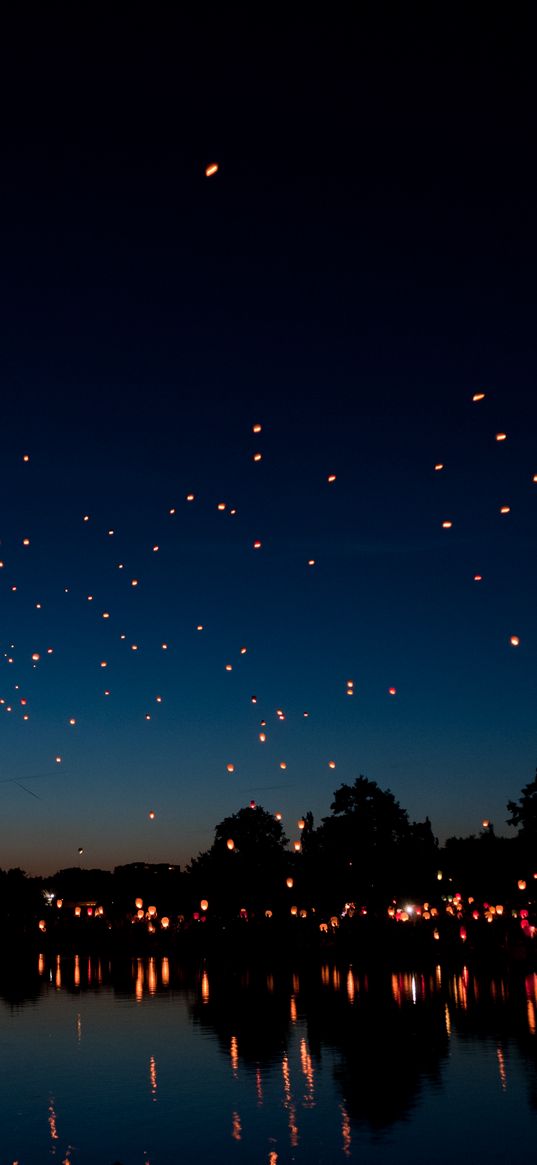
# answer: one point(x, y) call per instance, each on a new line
point(360, 266)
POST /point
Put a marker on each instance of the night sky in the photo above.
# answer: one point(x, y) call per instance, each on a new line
point(361, 265)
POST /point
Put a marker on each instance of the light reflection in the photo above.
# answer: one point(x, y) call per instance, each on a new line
point(258, 1085)
point(234, 1055)
point(236, 1131)
point(288, 1103)
point(325, 975)
point(292, 1009)
point(52, 1123)
point(345, 1131)
point(205, 987)
point(152, 977)
point(153, 1077)
point(350, 986)
point(76, 972)
point(139, 985)
point(58, 976)
point(79, 1027)
point(306, 1064)
point(448, 1020)
point(501, 1068)
point(165, 971)
point(41, 965)
point(531, 1016)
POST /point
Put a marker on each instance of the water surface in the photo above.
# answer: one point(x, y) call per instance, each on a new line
point(146, 1062)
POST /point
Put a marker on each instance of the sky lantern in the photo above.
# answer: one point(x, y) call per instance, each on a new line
point(151, 814)
point(521, 884)
point(211, 169)
point(253, 699)
point(190, 497)
point(229, 667)
point(252, 804)
point(331, 478)
point(256, 428)
point(478, 578)
point(278, 816)
point(26, 457)
point(283, 764)
point(262, 737)
point(297, 847)
point(439, 465)
point(78, 912)
point(446, 525)
point(331, 764)
point(514, 641)
point(58, 760)
point(138, 902)
point(301, 823)
point(230, 843)
point(392, 691)
point(501, 436)
point(257, 545)
point(42, 924)
point(152, 910)
point(478, 396)
point(244, 650)
point(230, 768)
point(36, 656)
point(204, 905)
point(165, 922)
point(505, 509)
point(26, 542)
point(485, 823)
point(311, 562)
point(257, 457)
point(289, 882)
point(294, 910)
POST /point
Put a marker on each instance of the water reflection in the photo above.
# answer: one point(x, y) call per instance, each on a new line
point(358, 1051)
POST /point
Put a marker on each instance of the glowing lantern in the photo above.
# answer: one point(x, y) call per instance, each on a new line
point(283, 764)
point(152, 910)
point(392, 691)
point(212, 169)
point(262, 737)
point(26, 542)
point(257, 457)
point(514, 641)
point(78, 911)
point(42, 924)
point(294, 910)
point(505, 509)
point(252, 804)
point(297, 847)
point(331, 763)
point(478, 578)
point(485, 824)
point(59, 903)
point(331, 478)
point(140, 914)
point(190, 497)
point(311, 562)
point(447, 525)
point(230, 768)
point(229, 667)
point(257, 545)
point(151, 814)
point(72, 720)
point(244, 650)
point(138, 902)
point(204, 905)
point(165, 922)
point(521, 884)
point(256, 428)
point(230, 843)
point(25, 457)
point(289, 883)
point(268, 913)
point(301, 823)
point(439, 466)
point(478, 396)
point(436, 935)
point(501, 436)
point(278, 817)
point(253, 699)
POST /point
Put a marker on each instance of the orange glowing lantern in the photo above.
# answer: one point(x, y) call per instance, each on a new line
point(514, 641)
point(138, 902)
point(301, 823)
point(165, 922)
point(230, 768)
point(289, 883)
point(42, 924)
point(297, 847)
point(151, 814)
point(521, 884)
point(211, 169)
point(501, 436)
point(204, 905)
point(230, 843)
point(152, 910)
point(294, 910)
point(78, 911)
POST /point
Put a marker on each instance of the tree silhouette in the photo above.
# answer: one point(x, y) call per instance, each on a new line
point(524, 812)
point(250, 874)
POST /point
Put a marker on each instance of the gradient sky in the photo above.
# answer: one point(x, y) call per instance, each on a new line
point(361, 265)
